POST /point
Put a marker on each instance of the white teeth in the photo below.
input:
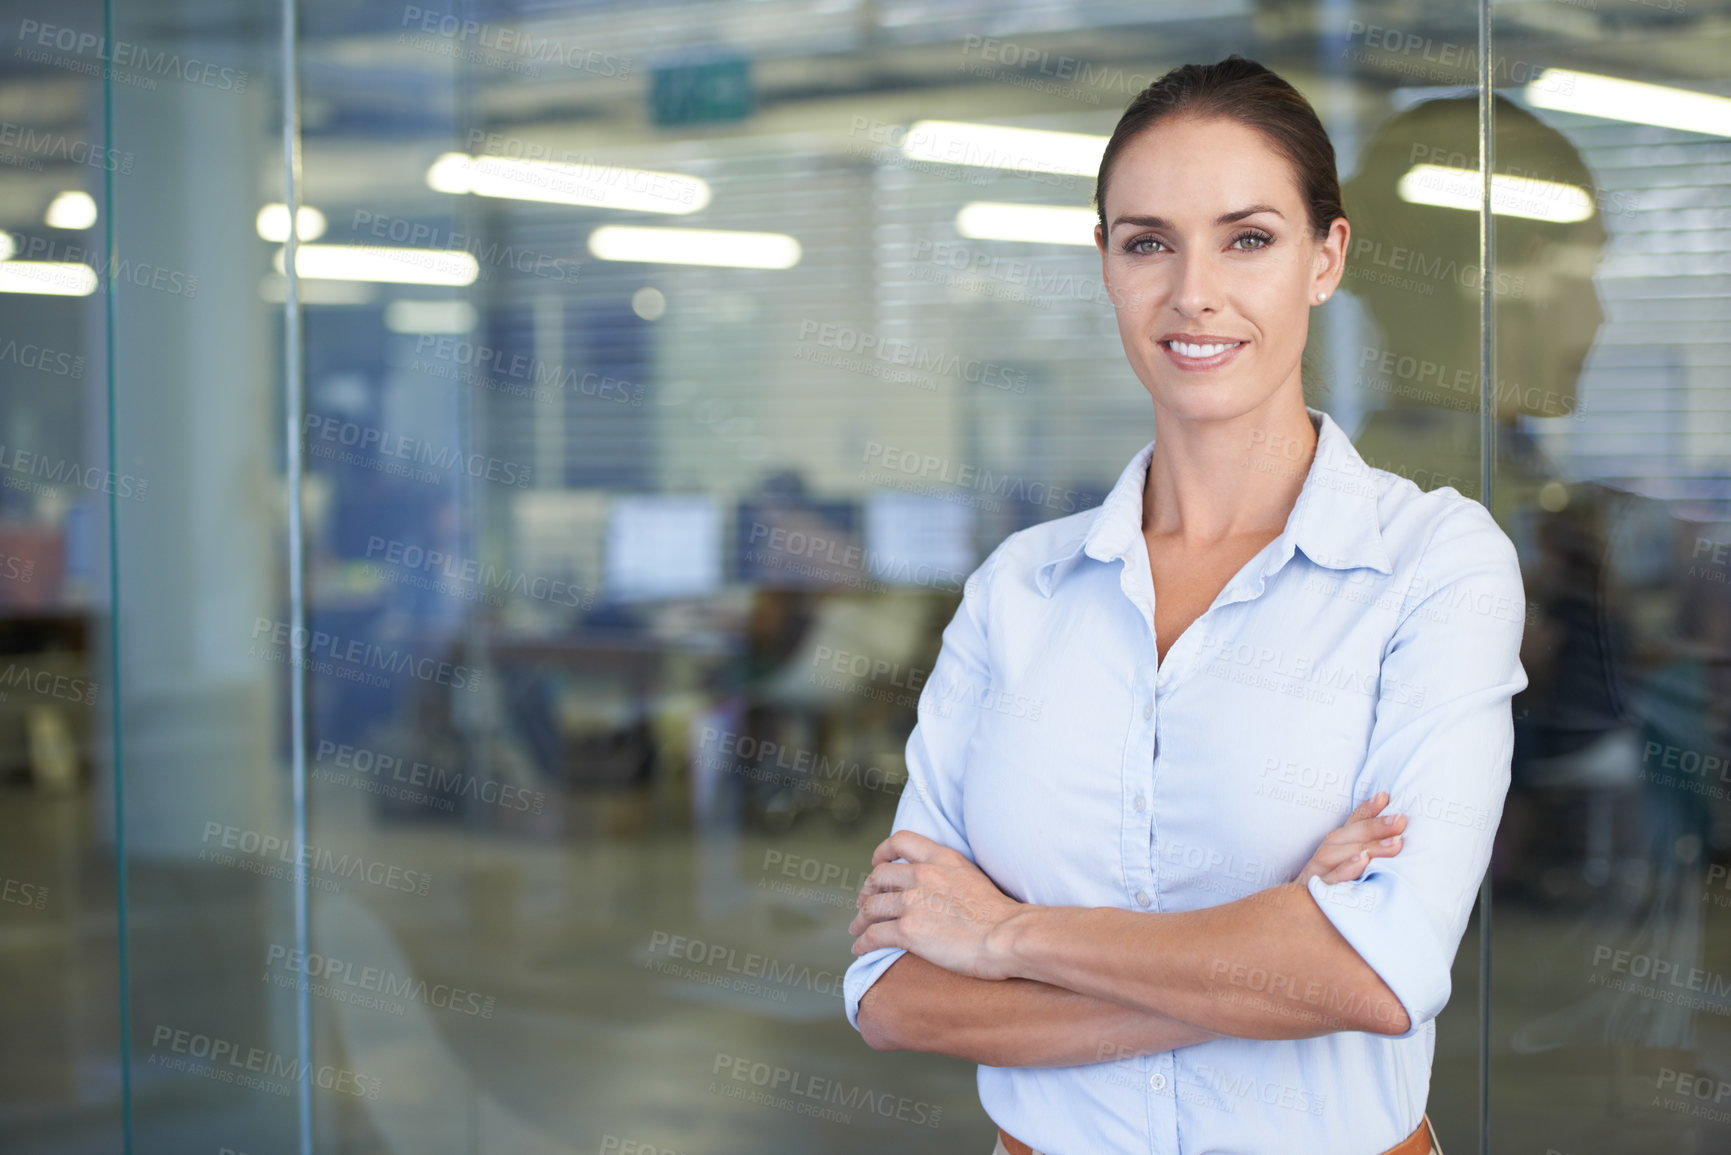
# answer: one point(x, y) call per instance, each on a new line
point(1201, 350)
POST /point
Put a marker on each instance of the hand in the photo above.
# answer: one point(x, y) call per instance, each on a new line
point(937, 905)
point(1345, 853)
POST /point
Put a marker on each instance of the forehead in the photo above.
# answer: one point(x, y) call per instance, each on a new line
point(1184, 166)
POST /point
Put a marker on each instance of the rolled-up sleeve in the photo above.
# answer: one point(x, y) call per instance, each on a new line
point(945, 717)
point(1440, 745)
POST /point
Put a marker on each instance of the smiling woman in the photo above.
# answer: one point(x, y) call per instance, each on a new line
point(1175, 880)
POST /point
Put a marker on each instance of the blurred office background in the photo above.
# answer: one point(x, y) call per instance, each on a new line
point(662, 372)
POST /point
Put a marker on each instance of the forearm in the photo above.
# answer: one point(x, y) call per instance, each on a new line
point(917, 1005)
point(1270, 966)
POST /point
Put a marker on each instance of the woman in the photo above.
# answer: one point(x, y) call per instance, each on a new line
point(1146, 716)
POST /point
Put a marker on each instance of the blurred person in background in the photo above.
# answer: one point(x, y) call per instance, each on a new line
point(1615, 645)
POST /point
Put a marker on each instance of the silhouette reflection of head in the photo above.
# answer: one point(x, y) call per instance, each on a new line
point(1414, 263)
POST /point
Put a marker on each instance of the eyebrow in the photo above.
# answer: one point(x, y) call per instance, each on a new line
point(1222, 219)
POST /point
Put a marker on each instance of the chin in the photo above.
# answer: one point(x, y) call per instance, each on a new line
point(1202, 401)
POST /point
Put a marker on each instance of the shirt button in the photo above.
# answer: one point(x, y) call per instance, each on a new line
point(1141, 804)
point(1148, 711)
point(1141, 898)
point(1157, 1081)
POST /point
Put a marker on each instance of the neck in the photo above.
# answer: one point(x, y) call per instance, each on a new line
point(1214, 479)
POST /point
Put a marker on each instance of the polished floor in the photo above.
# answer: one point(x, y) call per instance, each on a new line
point(589, 985)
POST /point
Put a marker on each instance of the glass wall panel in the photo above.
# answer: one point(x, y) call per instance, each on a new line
point(213, 1053)
point(1405, 357)
point(1609, 997)
point(140, 533)
point(59, 957)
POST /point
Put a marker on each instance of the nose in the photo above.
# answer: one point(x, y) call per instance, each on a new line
point(1196, 290)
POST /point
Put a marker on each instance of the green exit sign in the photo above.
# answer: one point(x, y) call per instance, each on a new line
point(707, 90)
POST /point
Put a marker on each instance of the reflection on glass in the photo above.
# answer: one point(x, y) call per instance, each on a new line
point(1616, 825)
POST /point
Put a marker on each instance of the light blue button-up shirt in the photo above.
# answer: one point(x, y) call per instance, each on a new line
point(1373, 645)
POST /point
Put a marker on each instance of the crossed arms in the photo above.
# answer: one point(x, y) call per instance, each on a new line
point(1009, 984)
point(1004, 983)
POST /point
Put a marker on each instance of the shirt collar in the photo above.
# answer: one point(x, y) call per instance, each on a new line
point(1335, 520)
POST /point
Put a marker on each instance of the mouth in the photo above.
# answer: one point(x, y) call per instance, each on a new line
point(1199, 357)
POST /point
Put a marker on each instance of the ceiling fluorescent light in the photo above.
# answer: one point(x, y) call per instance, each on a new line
point(1511, 196)
point(1038, 224)
point(739, 250)
point(273, 223)
point(1004, 146)
point(595, 185)
point(52, 278)
point(71, 210)
point(1611, 98)
point(371, 263)
point(429, 316)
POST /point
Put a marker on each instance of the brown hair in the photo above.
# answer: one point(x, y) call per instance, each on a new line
point(1245, 91)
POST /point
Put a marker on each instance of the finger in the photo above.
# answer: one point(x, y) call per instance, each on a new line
point(878, 908)
point(1338, 848)
point(1354, 864)
point(908, 844)
point(879, 934)
point(1370, 806)
point(1329, 858)
point(887, 876)
point(1348, 870)
point(1352, 868)
point(1364, 830)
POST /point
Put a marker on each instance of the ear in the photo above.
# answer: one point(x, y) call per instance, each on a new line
point(1105, 272)
point(1331, 259)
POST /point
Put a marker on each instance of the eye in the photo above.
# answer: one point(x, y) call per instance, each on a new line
point(1254, 235)
point(1134, 246)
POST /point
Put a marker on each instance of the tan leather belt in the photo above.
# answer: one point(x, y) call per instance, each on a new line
point(1418, 1143)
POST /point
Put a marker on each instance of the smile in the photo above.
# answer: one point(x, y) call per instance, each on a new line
point(1200, 357)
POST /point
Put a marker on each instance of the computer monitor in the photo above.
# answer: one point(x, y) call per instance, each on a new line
point(560, 533)
point(911, 539)
point(662, 546)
